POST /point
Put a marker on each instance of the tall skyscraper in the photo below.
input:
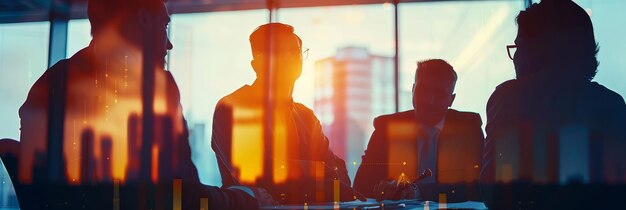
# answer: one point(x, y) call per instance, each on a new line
point(106, 165)
point(87, 160)
point(351, 89)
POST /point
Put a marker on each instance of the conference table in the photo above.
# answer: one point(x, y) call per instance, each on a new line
point(387, 204)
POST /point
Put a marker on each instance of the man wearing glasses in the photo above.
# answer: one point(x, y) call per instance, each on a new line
point(552, 130)
point(262, 138)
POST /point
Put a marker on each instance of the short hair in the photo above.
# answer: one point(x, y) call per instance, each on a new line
point(103, 12)
point(436, 69)
point(259, 40)
point(563, 34)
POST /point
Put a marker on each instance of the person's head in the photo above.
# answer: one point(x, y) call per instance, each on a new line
point(276, 48)
point(433, 90)
point(140, 24)
point(555, 37)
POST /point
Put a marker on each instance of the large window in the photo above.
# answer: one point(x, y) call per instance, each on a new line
point(210, 59)
point(23, 58)
point(348, 76)
point(78, 36)
point(470, 35)
point(607, 16)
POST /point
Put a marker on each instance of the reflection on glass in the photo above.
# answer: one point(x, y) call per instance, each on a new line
point(210, 59)
point(348, 76)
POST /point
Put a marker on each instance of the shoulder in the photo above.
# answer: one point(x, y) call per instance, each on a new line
point(502, 97)
point(467, 118)
point(607, 103)
point(9, 146)
point(505, 88)
point(235, 98)
point(605, 94)
point(507, 85)
point(40, 89)
point(383, 120)
point(39, 92)
point(59, 68)
point(173, 92)
point(304, 111)
point(301, 107)
point(169, 78)
point(50, 73)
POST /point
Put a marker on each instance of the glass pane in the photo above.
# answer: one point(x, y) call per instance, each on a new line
point(471, 36)
point(210, 59)
point(78, 36)
point(23, 59)
point(348, 76)
point(605, 16)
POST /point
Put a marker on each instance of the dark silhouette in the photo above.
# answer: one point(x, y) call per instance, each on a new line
point(431, 136)
point(555, 139)
point(261, 137)
point(104, 129)
point(10, 152)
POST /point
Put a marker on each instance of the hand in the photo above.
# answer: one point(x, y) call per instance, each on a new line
point(359, 196)
point(394, 190)
point(263, 197)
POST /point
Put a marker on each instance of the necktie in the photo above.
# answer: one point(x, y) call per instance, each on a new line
point(427, 152)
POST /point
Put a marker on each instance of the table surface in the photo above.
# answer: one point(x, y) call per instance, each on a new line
point(373, 204)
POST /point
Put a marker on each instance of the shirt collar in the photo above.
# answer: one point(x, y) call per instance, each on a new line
point(439, 125)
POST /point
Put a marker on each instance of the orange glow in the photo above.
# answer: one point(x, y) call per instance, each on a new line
point(507, 173)
point(155, 164)
point(104, 117)
point(443, 199)
point(336, 191)
point(402, 150)
point(204, 203)
point(159, 105)
point(319, 181)
point(247, 141)
point(103, 93)
point(178, 187)
point(280, 148)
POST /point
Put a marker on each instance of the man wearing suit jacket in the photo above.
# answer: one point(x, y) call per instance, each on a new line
point(429, 137)
point(94, 102)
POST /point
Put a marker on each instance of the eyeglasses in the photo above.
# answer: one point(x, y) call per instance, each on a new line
point(510, 49)
point(305, 53)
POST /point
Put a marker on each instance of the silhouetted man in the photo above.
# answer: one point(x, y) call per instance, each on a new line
point(431, 137)
point(551, 131)
point(261, 137)
point(104, 129)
